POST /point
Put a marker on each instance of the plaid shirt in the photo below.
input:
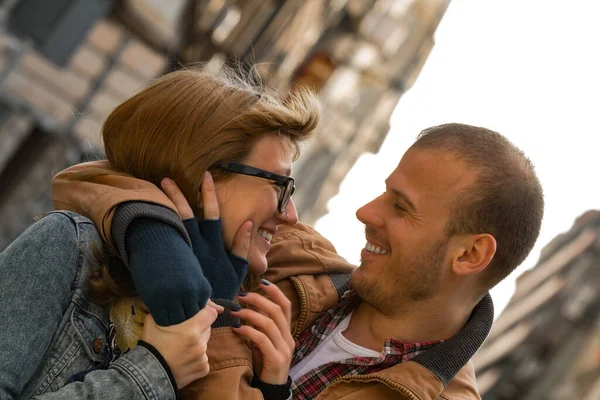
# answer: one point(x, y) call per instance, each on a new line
point(309, 385)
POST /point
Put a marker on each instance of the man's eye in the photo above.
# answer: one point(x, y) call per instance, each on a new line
point(399, 208)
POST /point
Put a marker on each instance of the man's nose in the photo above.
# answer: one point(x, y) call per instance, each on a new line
point(370, 213)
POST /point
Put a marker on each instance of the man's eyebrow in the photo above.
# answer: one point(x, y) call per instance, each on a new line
point(404, 197)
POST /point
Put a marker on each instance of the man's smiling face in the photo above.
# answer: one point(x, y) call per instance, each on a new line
point(407, 252)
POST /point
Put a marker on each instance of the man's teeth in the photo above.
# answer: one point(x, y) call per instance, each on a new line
point(374, 249)
point(268, 236)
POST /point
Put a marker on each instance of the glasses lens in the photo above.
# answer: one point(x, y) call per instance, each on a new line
point(286, 194)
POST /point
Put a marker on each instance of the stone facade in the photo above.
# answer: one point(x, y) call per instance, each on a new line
point(546, 343)
point(359, 55)
point(52, 113)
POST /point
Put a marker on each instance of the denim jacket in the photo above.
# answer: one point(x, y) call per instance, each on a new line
point(50, 330)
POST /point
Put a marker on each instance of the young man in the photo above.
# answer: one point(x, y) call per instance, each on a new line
point(460, 212)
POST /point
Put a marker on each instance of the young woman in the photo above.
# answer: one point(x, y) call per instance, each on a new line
point(183, 125)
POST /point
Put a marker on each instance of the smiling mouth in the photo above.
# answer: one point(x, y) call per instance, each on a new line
point(264, 234)
point(372, 248)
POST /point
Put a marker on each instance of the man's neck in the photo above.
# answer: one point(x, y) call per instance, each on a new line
point(423, 322)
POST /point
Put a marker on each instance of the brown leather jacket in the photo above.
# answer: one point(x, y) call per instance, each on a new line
point(307, 268)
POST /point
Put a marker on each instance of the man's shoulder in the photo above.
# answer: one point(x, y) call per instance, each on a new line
point(463, 386)
point(418, 379)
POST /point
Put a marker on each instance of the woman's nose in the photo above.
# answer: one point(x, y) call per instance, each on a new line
point(290, 216)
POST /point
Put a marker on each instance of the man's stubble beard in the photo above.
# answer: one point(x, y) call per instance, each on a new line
point(405, 283)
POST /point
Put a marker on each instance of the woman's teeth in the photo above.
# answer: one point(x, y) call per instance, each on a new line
point(268, 236)
point(374, 249)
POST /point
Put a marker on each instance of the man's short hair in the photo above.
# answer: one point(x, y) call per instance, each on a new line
point(506, 200)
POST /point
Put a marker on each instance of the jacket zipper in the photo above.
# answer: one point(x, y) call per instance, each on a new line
point(303, 306)
point(401, 388)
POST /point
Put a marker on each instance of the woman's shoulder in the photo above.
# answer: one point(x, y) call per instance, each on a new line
point(55, 240)
point(61, 225)
point(45, 304)
point(64, 217)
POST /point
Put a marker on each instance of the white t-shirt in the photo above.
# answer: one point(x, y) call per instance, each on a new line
point(334, 347)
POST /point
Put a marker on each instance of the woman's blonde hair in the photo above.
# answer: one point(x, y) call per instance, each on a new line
point(181, 125)
point(187, 121)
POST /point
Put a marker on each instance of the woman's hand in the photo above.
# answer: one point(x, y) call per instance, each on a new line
point(176, 196)
point(269, 331)
point(225, 270)
point(183, 346)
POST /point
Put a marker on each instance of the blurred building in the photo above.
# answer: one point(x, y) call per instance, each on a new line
point(546, 343)
point(65, 64)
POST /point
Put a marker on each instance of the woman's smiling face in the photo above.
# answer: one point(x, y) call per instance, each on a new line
point(242, 198)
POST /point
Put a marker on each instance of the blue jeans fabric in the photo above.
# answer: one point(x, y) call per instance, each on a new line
point(51, 330)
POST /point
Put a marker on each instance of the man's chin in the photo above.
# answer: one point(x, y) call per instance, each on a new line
point(364, 269)
point(362, 285)
point(358, 279)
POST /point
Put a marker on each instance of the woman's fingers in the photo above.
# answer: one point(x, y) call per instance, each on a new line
point(203, 319)
point(241, 242)
point(274, 364)
point(265, 309)
point(176, 196)
point(209, 197)
point(217, 307)
point(277, 297)
point(270, 331)
point(205, 337)
point(263, 324)
point(184, 345)
point(257, 337)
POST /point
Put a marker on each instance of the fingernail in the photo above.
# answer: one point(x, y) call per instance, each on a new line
point(242, 294)
point(235, 307)
point(265, 282)
point(167, 181)
point(236, 325)
point(250, 227)
point(206, 174)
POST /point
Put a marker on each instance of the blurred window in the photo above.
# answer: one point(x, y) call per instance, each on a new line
point(57, 27)
point(398, 8)
point(315, 73)
point(210, 14)
point(341, 88)
point(228, 23)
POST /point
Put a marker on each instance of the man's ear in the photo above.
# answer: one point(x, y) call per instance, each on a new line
point(474, 254)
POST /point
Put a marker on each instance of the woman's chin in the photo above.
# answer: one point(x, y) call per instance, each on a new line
point(257, 264)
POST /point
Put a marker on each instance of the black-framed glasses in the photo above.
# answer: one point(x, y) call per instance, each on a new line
point(286, 183)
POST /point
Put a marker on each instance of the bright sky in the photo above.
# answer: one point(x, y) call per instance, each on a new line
point(529, 69)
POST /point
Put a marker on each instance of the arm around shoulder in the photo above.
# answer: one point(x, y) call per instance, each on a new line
point(44, 275)
point(95, 190)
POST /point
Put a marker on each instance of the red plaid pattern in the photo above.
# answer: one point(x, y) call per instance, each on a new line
point(313, 382)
